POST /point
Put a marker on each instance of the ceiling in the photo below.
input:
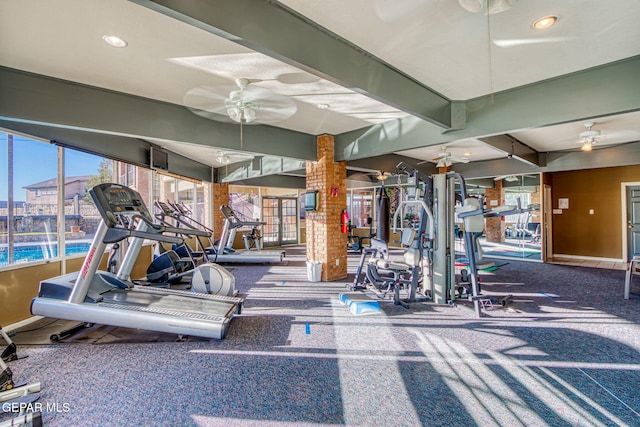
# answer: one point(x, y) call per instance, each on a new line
point(363, 70)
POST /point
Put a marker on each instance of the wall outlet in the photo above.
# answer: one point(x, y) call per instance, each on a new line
point(591, 212)
point(337, 261)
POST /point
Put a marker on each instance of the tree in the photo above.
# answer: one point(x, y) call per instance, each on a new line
point(105, 174)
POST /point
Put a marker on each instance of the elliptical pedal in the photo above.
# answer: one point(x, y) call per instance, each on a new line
point(10, 352)
point(6, 378)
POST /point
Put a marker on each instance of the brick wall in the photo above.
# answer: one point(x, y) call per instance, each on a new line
point(220, 197)
point(494, 227)
point(325, 241)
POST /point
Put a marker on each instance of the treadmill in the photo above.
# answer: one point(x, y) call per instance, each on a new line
point(101, 297)
point(224, 252)
point(180, 216)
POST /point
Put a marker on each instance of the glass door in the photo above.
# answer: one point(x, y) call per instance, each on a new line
point(281, 217)
point(289, 221)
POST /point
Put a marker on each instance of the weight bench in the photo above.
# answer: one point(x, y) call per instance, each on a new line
point(394, 269)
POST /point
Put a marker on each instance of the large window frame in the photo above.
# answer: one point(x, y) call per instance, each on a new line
point(140, 178)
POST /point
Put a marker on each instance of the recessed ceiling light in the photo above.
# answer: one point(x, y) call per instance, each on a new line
point(114, 41)
point(467, 154)
point(544, 23)
point(322, 106)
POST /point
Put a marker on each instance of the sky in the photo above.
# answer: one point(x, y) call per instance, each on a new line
point(35, 161)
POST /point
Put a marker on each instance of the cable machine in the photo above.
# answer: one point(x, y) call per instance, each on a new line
point(436, 234)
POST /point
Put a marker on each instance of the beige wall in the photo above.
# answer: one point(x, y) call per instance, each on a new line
point(18, 287)
point(575, 231)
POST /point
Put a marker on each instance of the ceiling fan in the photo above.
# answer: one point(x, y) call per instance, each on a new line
point(508, 178)
point(445, 159)
point(224, 158)
point(589, 137)
point(244, 103)
point(490, 7)
point(381, 175)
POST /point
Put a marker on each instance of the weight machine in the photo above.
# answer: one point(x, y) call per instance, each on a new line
point(430, 259)
point(382, 275)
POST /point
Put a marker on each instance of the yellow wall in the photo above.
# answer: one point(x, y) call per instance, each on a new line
point(17, 288)
point(575, 231)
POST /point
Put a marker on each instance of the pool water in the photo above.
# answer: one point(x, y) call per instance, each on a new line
point(37, 252)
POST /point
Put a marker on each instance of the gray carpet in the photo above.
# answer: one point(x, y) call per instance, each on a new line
point(566, 352)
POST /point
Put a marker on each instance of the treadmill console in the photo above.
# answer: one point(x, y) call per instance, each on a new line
point(116, 203)
point(164, 208)
point(182, 209)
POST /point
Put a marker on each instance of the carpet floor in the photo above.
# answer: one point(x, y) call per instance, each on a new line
point(566, 352)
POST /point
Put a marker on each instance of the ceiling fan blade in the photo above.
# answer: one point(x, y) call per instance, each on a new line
point(461, 159)
point(206, 102)
point(213, 103)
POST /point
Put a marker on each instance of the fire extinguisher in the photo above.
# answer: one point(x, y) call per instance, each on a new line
point(344, 221)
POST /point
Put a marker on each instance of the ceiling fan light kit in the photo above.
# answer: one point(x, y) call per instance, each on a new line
point(491, 7)
point(242, 114)
point(589, 137)
point(239, 106)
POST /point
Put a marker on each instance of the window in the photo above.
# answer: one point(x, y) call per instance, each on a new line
point(193, 194)
point(136, 178)
point(82, 172)
point(245, 201)
point(511, 198)
point(127, 174)
point(32, 200)
point(28, 200)
point(361, 203)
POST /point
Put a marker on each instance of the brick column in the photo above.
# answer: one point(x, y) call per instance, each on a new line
point(220, 197)
point(325, 242)
point(494, 226)
point(536, 199)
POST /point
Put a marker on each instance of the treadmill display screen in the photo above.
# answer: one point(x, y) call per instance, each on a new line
point(114, 199)
point(118, 196)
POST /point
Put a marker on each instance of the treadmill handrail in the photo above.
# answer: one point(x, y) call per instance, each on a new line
point(186, 231)
point(235, 221)
point(118, 234)
point(168, 229)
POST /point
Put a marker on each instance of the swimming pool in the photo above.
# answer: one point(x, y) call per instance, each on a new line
point(36, 252)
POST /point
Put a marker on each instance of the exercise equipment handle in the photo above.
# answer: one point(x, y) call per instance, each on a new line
point(424, 206)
